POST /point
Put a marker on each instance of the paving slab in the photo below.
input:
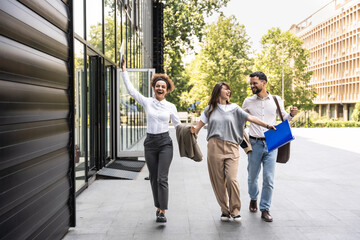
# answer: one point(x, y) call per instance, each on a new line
point(316, 196)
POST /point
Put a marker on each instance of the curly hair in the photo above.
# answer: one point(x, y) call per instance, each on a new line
point(169, 83)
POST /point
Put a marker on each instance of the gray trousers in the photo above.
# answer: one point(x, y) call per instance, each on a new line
point(158, 156)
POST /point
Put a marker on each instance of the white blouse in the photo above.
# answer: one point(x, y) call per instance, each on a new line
point(158, 113)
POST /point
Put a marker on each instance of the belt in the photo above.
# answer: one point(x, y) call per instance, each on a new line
point(165, 134)
point(262, 139)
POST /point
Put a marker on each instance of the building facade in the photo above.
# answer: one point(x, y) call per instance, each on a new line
point(108, 122)
point(64, 112)
point(332, 34)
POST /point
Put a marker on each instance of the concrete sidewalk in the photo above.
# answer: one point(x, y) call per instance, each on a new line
point(316, 196)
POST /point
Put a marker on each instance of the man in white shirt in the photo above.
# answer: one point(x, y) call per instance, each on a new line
point(263, 106)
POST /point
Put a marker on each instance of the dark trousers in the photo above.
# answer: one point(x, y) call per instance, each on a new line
point(158, 156)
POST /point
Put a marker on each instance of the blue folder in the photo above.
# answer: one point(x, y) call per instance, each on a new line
point(279, 137)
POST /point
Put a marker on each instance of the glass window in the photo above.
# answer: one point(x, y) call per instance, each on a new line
point(323, 110)
point(351, 110)
point(80, 114)
point(141, 15)
point(123, 31)
point(139, 23)
point(332, 111)
point(93, 76)
point(138, 50)
point(118, 28)
point(134, 50)
point(107, 111)
point(109, 16)
point(94, 25)
point(79, 17)
point(142, 49)
point(128, 43)
point(132, 115)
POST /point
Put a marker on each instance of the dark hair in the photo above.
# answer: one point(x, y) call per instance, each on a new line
point(215, 97)
point(163, 77)
point(260, 75)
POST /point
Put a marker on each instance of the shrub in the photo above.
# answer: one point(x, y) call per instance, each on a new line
point(334, 124)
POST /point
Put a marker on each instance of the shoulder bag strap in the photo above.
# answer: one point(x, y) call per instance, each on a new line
point(278, 108)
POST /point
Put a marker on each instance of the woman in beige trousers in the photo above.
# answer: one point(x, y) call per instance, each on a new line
point(226, 122)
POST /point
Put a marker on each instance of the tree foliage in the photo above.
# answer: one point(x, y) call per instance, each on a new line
point(224, 57)
point(356, 113)
point(183, 21)
point(95, 37)
point(283, 52)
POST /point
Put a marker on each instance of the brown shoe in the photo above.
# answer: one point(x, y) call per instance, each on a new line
point(266, 216)
point(253, 206)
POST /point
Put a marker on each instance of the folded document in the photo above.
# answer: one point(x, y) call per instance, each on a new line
point(279, 137)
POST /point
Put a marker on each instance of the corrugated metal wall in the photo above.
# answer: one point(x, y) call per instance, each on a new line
point(158, 36)
point(36, 119)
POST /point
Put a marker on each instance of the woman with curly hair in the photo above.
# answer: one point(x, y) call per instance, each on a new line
point(158, 144)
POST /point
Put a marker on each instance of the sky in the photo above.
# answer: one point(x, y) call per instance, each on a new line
point(258, 16)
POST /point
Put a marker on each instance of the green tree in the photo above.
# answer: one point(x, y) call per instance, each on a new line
point(356, 113)
point(282, 53)
point(224, 57)
point(95, 35)
point(183, 21)
point(196, 83)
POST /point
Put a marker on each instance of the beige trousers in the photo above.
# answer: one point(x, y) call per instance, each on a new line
point(223, 162)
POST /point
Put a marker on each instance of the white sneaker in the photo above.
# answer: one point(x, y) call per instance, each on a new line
point(224, 217)
point(237, 218)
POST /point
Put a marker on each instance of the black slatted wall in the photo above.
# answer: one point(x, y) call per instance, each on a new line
point(37, 198)
point(158, 36)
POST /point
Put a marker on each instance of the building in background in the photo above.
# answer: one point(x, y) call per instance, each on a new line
point(332, 34)
point(64, 113)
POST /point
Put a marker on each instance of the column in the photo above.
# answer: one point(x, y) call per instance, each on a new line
point(328, 112)
point(336, 111)
point(346, 112)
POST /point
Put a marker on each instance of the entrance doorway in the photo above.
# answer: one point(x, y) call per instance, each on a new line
point(94, 75)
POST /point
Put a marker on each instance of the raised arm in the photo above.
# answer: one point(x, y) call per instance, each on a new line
point(285, 115)
point(257, 121)
point(130, 88)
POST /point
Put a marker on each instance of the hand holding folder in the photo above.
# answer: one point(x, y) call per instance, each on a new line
point(279, 137)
